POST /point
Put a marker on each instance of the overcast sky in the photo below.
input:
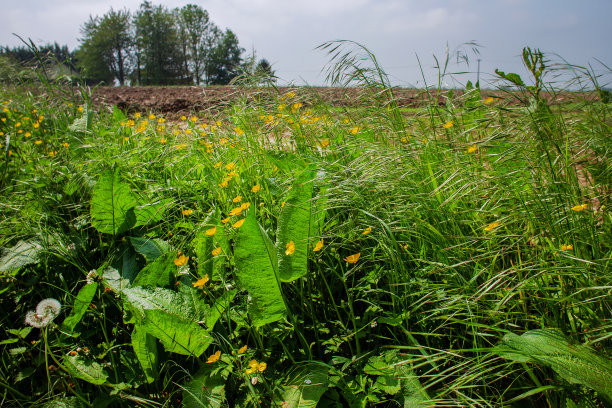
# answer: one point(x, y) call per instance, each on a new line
point(286, 32)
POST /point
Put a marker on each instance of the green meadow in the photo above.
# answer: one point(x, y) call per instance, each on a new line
point(283, 252)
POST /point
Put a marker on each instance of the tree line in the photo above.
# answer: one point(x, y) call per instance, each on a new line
point(154, 46)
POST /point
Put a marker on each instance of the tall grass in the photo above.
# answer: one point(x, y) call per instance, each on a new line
point(475, 221)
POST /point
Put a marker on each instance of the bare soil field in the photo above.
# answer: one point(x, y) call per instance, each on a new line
point(184, 99)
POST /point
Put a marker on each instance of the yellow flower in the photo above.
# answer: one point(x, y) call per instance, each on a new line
point(579, 207)
point(290, 248)
point(237, 199)
point(242, 349)
point(193, 118)
point(38, 142)
point(245, 206)
point(137, 115)
point(238, 224)
point(256, 188)
point(214, 358)
point(151, 116)
point(236, 211)
point(262, 367)
point(80, 109)
point(367, 231)
point(218, 164)
point(492, 226)
point(355, 130)
point(161, 120)
point(28, 134)
point(181, 260)
point(489, 100)
point(211, 231)
point(448, 125)
point(318, 246)
point(324, 143)
point(230, 165)
point(472, 149)
point(183, 117)
point(353, 258)
point(225, 220)
point(568, 247)
point(216, 251)
point(201, 282)
point(238, 131)
point(163, 140)
point(283, 204)
point(188, 211)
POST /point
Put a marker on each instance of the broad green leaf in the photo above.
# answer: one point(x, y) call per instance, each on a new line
point(81, 303)
point(113, 279)
point(149, 248)
point(151, 213)
point(171, 317)
point(256, 273)
point(576, 364)
point(145, 348)
point(294, 224)
point(511, 77)
point(112, 205)
point(22, 254)
point(205, 389)
point(204, 244)
point(221, 305)
point(306, 384)
point(160, 272)
point(85, 369)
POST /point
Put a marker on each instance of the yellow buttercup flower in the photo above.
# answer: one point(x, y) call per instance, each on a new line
point(489, 100)
point(353, 258)
point(216, 251)
point(367, 231)
point(151, 116)
point(235, 211)
point(38, 142)
point(579, 207)
point(238, 224)
point(225, 220)
point(290, 248)
point(189, 211)
point(230, 166)
point(492, 226)
point(237, 199)
point(238, 131)
point(355, 130)
point(256, 188)
point(324, 143)
point(568, 247)
point(448, 125)
point(211, 231)
point(318, 246)
point(214, 358)
point(472, 149)
point(201, 282)
point(242, 349)
point(245, 206)
point(181, 260)
point(183, 117)
point(193, 118)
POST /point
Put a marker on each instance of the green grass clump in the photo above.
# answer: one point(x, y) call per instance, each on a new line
point(288, 253)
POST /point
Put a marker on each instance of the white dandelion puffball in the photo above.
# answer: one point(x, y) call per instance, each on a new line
point(49, 307)
point(35, 320)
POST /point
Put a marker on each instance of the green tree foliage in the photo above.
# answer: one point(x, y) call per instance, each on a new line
point(225, 59)
point(106, 47)
point(159, 58)
point(196, 35)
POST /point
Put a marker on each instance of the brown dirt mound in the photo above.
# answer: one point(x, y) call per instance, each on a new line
point(178, 100)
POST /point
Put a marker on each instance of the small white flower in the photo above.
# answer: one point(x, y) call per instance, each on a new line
point(373, 324)
point(307, 381)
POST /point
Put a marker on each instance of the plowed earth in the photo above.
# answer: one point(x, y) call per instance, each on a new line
point(174, 101)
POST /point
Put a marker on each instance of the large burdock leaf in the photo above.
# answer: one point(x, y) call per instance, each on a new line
point(206, 388)
point(112, 204)
point(256, 269)
point(145, 348)
point(22, 254)
point(306, 384)
point(171, 317)
point(576, 364)
point(85, 369)
point(293, 232)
